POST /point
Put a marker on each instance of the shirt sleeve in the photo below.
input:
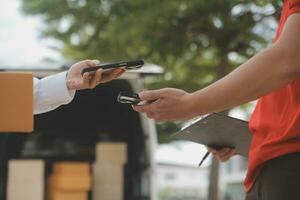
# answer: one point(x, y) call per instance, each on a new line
point(51, 92)
point(294, 6)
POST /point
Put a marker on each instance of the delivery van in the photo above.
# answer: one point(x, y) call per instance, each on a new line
point(70, 133)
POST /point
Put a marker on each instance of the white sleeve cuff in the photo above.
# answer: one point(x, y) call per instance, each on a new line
point(54, 90)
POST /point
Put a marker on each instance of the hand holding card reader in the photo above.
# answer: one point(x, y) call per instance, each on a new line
point(132, 98)
point(129, 98)
point(128, 65)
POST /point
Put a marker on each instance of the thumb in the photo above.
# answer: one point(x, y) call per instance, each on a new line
point(97, 62)
point(150, 95)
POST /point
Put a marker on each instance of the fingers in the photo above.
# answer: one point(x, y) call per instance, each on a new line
point(227, 156)
point(120, 73)
point(112, 74)
point(101, 77)
point(96, 79)
point(222, 154)
point(151, 94)
point(211, 150)
point(150, 115)
point(153, 110)
point(146, 108)
point(142, 108)
point(86, 79)
point(91, 63)
point(78, 81)
point(97, 62)
point(98, 75)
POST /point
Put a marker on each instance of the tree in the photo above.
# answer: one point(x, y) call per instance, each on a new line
point(191, 39)
point(196, 41)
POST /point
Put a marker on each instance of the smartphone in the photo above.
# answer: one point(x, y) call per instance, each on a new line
point(133, 64)
point(129, 98)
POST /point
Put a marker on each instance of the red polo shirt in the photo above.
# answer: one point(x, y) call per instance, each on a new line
point(275, 122)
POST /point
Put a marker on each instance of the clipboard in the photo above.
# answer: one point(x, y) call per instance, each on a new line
point(217, 130)
point(16, 102)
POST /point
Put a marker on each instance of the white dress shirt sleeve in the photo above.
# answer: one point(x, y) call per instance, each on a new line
point(51, 92)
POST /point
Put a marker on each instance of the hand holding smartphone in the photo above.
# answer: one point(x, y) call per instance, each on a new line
point(128, 65)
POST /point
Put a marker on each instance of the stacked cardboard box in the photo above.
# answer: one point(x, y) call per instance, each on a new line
point(25, 180)
point(69, 181)
point(16, 102)
point(108, 171)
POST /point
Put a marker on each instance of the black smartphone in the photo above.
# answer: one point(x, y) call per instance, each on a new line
point(129, 98)
point(133, 64)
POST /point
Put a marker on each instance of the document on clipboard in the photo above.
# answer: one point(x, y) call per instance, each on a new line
point(218, 130)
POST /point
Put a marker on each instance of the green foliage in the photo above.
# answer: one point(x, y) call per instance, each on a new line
point(196, 41)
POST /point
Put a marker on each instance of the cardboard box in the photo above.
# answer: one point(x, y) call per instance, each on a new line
point(25, 180)
point(68, 182)
point(108, 182)
point(58, 195)
point(16, 107)
point(24, 191)
point(81, 168)
point(111, 152)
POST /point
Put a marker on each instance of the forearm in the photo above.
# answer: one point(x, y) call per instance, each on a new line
point(260, 75)
point(265, 72)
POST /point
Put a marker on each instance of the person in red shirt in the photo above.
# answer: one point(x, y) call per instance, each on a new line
point(273, 76)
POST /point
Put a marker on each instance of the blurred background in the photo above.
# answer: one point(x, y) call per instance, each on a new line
point(186, 44)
